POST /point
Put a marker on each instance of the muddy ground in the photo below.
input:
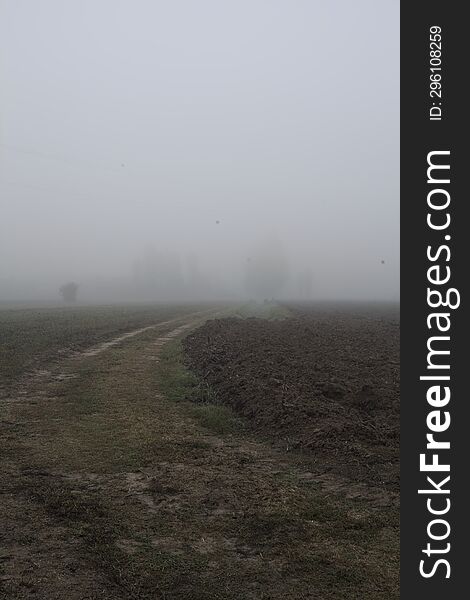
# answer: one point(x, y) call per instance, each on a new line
point(324, 383)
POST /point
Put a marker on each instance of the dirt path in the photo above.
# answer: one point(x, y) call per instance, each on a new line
point(112, 491)
point(195, 318)
point(31, 542)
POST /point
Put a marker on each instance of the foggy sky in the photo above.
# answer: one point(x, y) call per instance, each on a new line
point(128, 128)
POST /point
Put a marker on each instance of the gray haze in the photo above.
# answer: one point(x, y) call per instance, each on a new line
point(171, 149)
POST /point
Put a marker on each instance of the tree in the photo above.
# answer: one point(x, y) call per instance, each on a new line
point(68, 291)
point(305, 283)
point(266, 270)
point(158, 275)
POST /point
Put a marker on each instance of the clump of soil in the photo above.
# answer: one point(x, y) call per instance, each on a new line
point(323, 383)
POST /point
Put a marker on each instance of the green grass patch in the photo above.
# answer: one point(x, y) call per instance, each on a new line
point(218, 419)
point(178, 384)
point(174, 380)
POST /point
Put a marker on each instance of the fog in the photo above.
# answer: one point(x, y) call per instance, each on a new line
point(162, 150)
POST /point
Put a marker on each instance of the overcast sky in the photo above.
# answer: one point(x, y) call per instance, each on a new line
point(133, 126)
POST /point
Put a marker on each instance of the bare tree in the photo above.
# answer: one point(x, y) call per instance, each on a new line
point(69, 291)
point(305, 283)
point(266, 270)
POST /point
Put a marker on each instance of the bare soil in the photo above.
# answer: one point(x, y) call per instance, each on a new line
point(324, 383)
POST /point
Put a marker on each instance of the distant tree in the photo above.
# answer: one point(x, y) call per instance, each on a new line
point(305, 283)
point(68, 291)
point(266, 270)
point(158, 275)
